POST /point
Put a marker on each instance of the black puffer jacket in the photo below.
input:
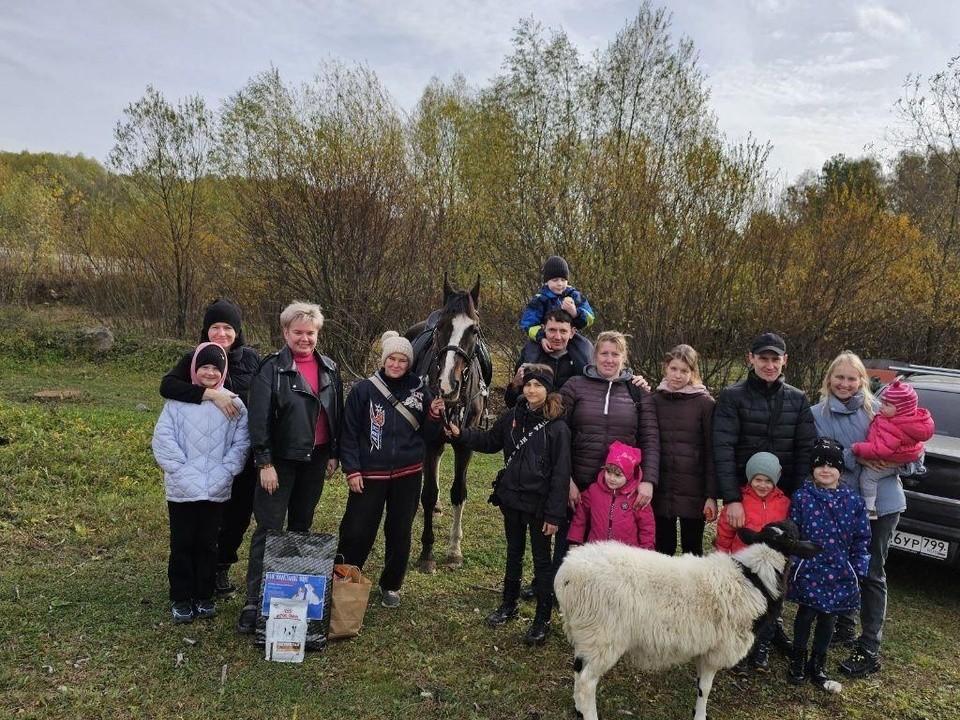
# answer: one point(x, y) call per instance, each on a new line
point(752, 417)
point(538, 480)
point(687, 477)
point(377, 441)
point(600, 411)
point(283, 409)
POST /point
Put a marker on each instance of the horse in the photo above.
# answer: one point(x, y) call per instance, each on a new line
point(451, 357)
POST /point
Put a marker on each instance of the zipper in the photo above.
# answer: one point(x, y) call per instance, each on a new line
point(613, 502)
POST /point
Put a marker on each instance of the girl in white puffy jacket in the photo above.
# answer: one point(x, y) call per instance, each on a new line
point(200, 450)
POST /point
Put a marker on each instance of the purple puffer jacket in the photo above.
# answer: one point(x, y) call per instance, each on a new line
point(600, 411)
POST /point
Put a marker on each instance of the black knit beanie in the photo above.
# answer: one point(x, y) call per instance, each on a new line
point(211, 354)
point(555, 267)
point(226, 312)
point(827, 451)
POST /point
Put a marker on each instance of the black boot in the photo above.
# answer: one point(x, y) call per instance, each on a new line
point(817, 670)
point(780, 640)
point(537, 634)
point(797, 673)
point(742, 668)
point(508, 608)
point(506, 611)
point(760, 657)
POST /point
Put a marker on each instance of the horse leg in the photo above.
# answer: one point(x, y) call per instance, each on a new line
point(428, 500)
point(458, 496)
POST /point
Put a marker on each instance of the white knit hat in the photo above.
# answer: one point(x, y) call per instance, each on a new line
point(392, 342)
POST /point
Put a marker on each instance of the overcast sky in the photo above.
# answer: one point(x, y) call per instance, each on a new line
point(814, 78)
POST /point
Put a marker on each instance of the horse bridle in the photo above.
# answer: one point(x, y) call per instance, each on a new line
point(457, 411)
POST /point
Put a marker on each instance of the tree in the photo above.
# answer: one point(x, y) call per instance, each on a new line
point(163, 153)
point(327, 202)
point(927, 186)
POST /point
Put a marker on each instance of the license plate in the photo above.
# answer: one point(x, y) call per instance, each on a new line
point(921, 545)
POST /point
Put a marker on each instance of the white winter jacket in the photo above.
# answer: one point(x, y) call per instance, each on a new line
point(200, 450)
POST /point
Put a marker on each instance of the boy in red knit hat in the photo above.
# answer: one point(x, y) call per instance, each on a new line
point(896, 436)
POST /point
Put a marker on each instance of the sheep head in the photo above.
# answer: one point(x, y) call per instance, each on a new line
point(783, 536)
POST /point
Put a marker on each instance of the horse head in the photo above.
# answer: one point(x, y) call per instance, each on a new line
point(455, 340)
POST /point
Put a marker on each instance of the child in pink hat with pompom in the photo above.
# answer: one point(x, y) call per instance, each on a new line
point(607, 509)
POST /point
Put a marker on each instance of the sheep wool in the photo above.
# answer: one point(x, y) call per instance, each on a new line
point(662, 611)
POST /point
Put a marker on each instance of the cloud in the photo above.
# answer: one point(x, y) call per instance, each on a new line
point(879, 22)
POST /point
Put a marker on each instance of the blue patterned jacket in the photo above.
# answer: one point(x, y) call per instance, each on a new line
point(837, 521)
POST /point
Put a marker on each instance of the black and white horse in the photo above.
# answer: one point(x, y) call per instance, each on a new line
point(449, 353)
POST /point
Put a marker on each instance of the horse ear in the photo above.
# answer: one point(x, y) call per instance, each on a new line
point(475, 293)
point(447, 288)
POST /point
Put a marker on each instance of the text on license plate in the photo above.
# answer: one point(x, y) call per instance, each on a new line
point(920, 544)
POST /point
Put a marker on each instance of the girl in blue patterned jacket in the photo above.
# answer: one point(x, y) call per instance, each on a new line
point(835, 517)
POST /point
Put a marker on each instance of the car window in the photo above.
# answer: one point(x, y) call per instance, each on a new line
point(945, 408)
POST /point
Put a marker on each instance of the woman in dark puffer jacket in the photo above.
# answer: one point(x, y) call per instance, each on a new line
point(688, 487)
point(601, 406)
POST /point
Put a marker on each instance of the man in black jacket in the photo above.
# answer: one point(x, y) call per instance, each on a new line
point(551, 351)
point(762, 414)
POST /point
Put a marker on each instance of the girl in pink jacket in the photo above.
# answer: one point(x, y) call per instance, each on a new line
point(607, 507)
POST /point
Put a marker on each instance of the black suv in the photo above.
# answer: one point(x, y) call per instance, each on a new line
point(930, 526)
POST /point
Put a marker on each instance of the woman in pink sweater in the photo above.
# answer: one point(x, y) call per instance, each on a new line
point(607, 509)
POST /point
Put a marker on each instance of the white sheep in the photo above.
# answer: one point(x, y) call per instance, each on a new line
point(663, 611)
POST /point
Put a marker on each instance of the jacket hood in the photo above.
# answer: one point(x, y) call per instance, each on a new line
point(591, 372)
point(918, 426)
point(848, 407)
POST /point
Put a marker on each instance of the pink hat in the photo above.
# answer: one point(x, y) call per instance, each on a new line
point(901, 396)
point(626, 458)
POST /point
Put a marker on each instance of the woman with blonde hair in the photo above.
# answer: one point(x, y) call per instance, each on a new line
point(844, 412)
point(296, 405)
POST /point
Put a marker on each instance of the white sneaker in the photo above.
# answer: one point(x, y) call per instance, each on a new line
point(390, 598)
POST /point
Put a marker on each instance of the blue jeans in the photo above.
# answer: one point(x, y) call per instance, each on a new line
point(873, 589)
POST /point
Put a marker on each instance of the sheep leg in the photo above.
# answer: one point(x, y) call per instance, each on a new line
point(585, 678)
point(705, 675)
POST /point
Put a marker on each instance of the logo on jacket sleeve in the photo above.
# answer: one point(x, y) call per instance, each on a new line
point(377, 419)
point(414, 401)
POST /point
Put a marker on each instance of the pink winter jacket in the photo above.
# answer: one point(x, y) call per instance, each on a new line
point(898, 439)
point(605, 514)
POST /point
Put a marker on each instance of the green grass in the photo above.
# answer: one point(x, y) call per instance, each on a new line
point(86, 633)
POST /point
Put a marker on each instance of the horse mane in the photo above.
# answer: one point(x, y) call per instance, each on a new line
point(459, 302)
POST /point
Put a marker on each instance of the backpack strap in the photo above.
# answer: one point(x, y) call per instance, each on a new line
point(398, 406)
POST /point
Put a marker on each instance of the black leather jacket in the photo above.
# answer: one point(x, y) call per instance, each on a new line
point(283, 409)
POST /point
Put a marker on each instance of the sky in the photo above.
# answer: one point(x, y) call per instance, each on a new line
point(813, 78)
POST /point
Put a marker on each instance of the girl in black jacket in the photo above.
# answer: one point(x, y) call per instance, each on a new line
point(385, 422)
point(531, 490)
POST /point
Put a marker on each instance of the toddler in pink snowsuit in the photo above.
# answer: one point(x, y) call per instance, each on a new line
point(896, 435)
point(606, 510)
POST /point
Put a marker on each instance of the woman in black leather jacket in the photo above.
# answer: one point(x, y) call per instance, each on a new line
point(295, 410)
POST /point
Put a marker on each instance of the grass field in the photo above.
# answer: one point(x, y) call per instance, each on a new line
point(85, 630)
